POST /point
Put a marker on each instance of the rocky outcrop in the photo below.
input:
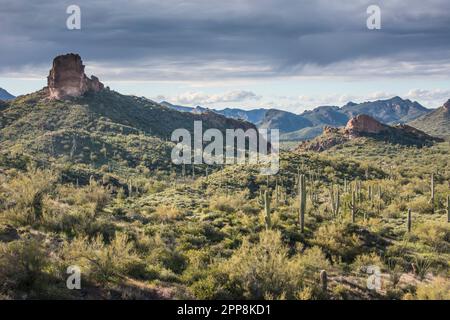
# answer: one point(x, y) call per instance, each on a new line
point(67, 78)
point(363, 124)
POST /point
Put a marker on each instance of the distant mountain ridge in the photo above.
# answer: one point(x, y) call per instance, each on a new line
point(5, 95)
point(310, 124)
point(254, 116)
point(436, 123)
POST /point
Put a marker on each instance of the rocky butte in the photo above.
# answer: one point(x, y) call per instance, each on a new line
point(366, 126)
point(67, 78)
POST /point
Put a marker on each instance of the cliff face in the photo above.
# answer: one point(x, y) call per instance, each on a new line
point(67, 78)
point(363, 124)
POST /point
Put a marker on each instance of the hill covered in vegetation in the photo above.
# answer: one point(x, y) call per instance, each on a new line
point(436, 123)
point(363, 126)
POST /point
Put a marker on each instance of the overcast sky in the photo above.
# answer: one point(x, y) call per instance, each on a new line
point(289, 54)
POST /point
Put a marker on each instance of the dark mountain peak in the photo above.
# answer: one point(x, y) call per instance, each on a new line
point(67, 78)
point(447, 105)
point(350, 104)
point(395, 99)
point(5, 95)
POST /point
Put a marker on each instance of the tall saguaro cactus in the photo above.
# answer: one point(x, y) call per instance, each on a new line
point(324, 280)
point(409, 221)
point(302, 201)
point(448, 208)
point(353, 206)
point(277, 195)
point(432, 192)
point(267, 210)
point(335, 201)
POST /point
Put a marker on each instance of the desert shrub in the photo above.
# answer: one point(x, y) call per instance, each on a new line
point(93, 197)
point(250, 209)
point(341, 292)
point(168, 258)
point(310, 263)
point(161, 254)
point(228, 204)
point(22, 267)
point(102, 262)
point(264, 270)
point(394, 210)
point(25, 194)
point(338, 239)
point(421, 204)
point(363, 261)
point(155, 186)
point(434, 234)
point(164, 213)
point(438, 289)
point(76, 222)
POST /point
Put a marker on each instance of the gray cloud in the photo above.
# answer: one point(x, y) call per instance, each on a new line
point(202, 39)
point(199, 98)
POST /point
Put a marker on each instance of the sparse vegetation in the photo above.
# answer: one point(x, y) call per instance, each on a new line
point(93, 190)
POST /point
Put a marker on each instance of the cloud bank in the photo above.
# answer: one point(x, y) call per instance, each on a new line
point(208, 39)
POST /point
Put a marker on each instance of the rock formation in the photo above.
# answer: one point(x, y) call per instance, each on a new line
point(364, 124)
point(67, 78)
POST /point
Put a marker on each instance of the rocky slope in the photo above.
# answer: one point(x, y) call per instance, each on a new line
point(364, 126)
point(436, 123)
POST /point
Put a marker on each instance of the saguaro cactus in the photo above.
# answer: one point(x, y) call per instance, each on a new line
point(432, 192)
point(324, 280)
point(353, 206)
point(36, 204)
point(302, 201)
point(448, 208)
point(267, 210)
point(409, 221)
point(277, 195)
point(261, 197)
point(335, 201)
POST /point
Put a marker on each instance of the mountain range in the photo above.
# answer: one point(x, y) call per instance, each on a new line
point(310, 124)
point(5, 95)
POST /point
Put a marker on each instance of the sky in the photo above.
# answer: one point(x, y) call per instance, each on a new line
point(288, 54)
